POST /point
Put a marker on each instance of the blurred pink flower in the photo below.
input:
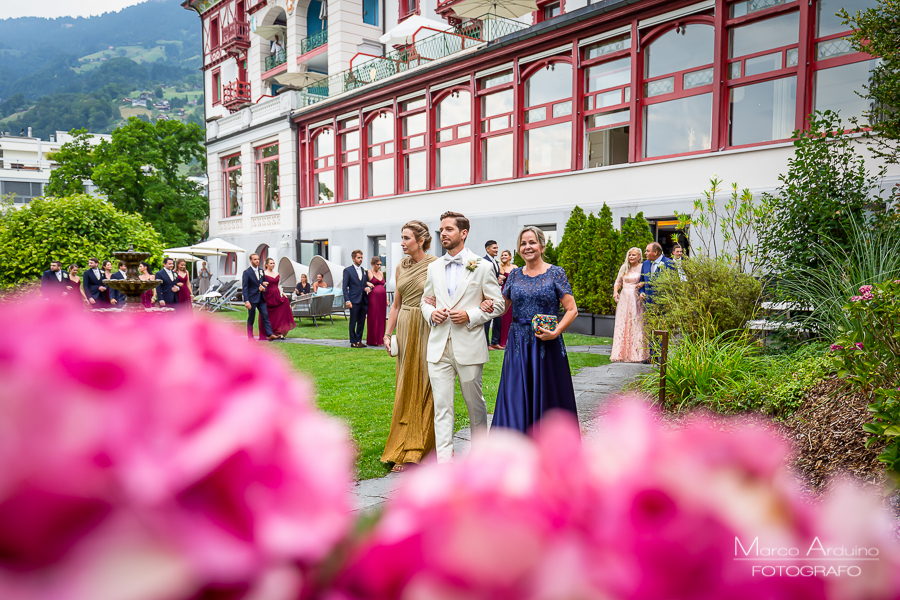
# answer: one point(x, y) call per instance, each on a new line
point(865, 289)
point(859, 345)
point(836, 347)
point(164, 450)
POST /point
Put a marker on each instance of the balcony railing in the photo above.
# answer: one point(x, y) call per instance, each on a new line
point(278, 58)
point(423, 51)
point(236, 95)
point(312, 42)
point(236, 36)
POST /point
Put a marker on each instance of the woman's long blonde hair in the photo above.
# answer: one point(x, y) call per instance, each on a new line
point(625, 266)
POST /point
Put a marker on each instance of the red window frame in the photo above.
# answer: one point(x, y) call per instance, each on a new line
point(408, 8)
point(789, 61)
point(349, 158)
point(231, 263)
point(322, 164)
point(540, 15)
point(491, 126)
point(226, 172)
point(216, 87)
point(549, 119)
point(380, 151)
point(414, 143)
point(263, 252)
point(260, 171)
point(215, 33)
point(678, 91)
point(455, 135)
point(592, 101)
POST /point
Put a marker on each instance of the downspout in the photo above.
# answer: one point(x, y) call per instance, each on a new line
point(295, 139)
point(383, 25)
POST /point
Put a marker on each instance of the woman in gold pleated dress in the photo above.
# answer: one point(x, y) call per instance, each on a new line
point(412, 425)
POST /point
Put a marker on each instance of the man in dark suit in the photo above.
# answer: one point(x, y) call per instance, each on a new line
point(167, 292)
point(355, 298)
point(656, 261)
point(253, 284)
point(118, 298)
point(493, 339)
point(54, 282)
point(92, 280)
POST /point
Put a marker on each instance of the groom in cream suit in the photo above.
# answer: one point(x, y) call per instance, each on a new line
point(459, 283)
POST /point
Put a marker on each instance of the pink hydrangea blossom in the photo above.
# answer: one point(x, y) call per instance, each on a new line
point(643, 512)
point(859, 345)
point(155, 458)
point(865, 289)
point(835, 347)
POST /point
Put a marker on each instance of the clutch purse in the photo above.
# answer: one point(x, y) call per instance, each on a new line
point(548, 322)
point(395, 349)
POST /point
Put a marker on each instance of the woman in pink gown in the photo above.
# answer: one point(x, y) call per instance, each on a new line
point(506, 267)
point(629, 339)
point(185, 297)
point(376, 317)
point(281, 317)
point(146, 274)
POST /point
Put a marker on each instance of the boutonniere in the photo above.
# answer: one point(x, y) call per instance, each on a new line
point(472, 264)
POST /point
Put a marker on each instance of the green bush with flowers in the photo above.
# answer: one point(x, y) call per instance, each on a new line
point(868, 356)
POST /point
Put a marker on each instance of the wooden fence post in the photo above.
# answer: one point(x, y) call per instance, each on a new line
point(663, 358)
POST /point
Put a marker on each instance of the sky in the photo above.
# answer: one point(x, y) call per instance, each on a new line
point(10, 9)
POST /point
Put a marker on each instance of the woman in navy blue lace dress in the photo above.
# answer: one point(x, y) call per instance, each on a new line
point(535, 376)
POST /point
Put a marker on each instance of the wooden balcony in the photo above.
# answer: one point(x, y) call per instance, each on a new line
point(236, 37)
point(236, 95)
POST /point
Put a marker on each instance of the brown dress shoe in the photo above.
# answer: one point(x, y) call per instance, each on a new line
point(272, 337)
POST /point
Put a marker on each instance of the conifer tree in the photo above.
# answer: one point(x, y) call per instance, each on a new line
point(608, 262)
point(570, 245)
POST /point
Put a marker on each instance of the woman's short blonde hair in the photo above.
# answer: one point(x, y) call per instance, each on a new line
point(538, 234)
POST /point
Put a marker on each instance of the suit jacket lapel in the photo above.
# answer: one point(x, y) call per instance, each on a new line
point(461, 283)
point(440, 280)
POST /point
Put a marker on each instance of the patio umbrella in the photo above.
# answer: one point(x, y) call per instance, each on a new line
point(182, 256)
point(213, 246)
point(189, 250)
point(270, 31)
point(300, 80)
point(510, 9)
point(404, 32)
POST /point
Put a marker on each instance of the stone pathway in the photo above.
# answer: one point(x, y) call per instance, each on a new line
point(593, 386)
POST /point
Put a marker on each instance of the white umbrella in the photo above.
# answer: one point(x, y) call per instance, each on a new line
point(189, 250)
point(182, 256)
point(270, 31)
point(215, 245)
point(404, 32)
point(300, 80)
point(510, 9)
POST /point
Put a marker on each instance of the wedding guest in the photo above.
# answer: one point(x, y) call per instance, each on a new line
point(80, 297)
point(411, 436)
point(185, 297)
point(319, 283)
point(493, 337)
point(506, 267)
point(93, 285)
point(535, 377)
point(677, 255)
point(205, 276)
point(167, 291)
point(303, 287)
point(118, 298)
point(109, 294)
point(377, 309)
point(253, 285)
point(281, 317)
point(656, 260)
point(353, 288)
point(629, 339)
point(148, 297)
point(55, 283)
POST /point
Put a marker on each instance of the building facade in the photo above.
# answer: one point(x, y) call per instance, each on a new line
point(632, 103)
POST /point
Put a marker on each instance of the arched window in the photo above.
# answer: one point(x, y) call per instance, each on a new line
point(380, 154)
point(763, 54)
point(350, 159)
point(414, 121)
point(263, 251)
point(548, 119)
point(677, 94)
point(323, 166)
point(230, 260)
point(453, 139)
point(313, 23)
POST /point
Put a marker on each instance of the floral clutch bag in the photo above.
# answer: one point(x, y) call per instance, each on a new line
point(548, 322)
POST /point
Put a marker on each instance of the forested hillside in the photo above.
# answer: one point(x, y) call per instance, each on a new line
point(69, 73)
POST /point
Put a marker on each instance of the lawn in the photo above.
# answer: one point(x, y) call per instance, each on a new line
point(358, 385)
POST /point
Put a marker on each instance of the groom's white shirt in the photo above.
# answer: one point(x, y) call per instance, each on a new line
point(470, 290)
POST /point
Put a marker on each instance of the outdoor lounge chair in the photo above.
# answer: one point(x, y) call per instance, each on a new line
point(229, 292)
point(315, 307)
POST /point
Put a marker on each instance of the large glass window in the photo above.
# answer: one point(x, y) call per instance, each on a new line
point(763, 112)
point(497, 128)
point(838, 89)
point(678, 71)
point(607, 89)
point(323, 166)
point(548, 119)
point(350, 159)
point(414, 124)
point(234, 191)
point(827, 21)
point(380, 159)
point(453, 139)
point(267, 176)
point(606, 138)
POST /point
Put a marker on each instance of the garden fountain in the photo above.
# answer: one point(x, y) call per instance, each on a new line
point(132, 286)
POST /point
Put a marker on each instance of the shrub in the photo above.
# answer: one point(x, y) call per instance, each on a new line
point(635, 234)
point(70, 229)
point(714, 297)
point(869, 357)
